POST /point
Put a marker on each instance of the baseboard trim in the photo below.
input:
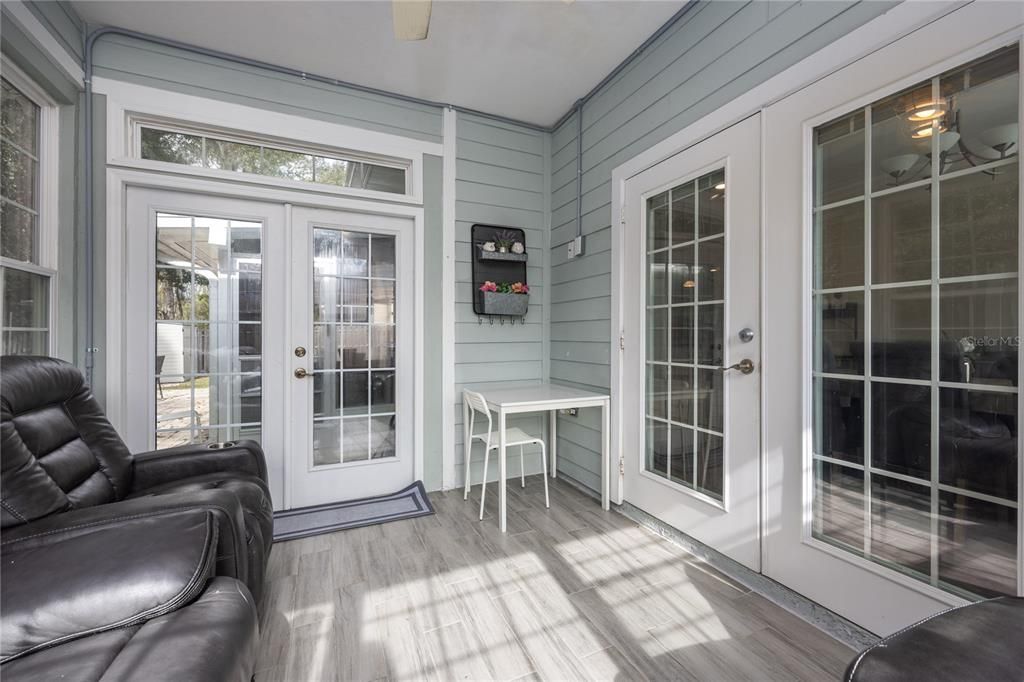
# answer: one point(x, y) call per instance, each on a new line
point(827, 621)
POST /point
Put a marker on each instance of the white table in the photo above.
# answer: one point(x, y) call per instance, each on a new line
point(504, 400)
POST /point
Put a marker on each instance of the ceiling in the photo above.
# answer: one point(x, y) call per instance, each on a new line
point(525, 60)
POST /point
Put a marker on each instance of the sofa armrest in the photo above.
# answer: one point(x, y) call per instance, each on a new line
point(227, 512)
point(81, 580)
point(173, 464)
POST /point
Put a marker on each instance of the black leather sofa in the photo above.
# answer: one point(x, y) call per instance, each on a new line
point(117, 566)
point(979, 641)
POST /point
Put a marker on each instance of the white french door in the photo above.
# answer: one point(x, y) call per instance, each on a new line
point(227, 299)
point(351, 355)
point(691, 373)
point(892, 471)
point(203, 293)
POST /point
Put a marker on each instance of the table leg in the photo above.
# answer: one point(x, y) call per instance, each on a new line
point(501, 471)
point(553, 441)
point(606, 455)
point(467, 447)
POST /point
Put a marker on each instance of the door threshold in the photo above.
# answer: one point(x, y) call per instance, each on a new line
point(829, 622)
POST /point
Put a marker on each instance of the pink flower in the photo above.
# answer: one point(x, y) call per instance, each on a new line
point(520, 288)
point(489, 286)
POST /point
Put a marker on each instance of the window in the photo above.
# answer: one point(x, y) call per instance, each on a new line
point(916, 333)
point(26, 273)
point(209, 329)
point(685, 314)
point(220, 152)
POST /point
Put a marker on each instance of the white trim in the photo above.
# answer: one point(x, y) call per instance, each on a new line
point(48, 165)
point(870, 37)
point(125, 100)
point(450, 127)
point(45, 41)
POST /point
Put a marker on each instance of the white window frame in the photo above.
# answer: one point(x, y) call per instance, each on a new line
point(48, 191)
point(129, 105)
point(137, 122)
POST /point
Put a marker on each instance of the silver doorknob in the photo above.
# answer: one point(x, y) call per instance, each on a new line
point(745, 366)
point(746, 335)
point(301, 373)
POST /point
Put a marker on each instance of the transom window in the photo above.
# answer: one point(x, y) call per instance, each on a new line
point(916, 332)
point(685, 315)
point(221, 152)
point(25, 275)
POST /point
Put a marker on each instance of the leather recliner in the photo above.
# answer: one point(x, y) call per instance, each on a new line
point(113, 560)
point(64, 464)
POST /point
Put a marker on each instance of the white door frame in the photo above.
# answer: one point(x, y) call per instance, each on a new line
point(122, 404)
point(872, 36)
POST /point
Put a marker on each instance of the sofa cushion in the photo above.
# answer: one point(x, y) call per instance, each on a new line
point(213, 639)
point(979, 641)
point(58, 451)
point(61, 585)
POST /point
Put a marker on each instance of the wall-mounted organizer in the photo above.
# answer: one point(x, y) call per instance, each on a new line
point(499, 258)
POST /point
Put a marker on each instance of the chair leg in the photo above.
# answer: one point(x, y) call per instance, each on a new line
point(544, 468)
point(483, 485)
point(522, 468)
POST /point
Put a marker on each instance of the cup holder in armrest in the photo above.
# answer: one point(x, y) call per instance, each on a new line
point(221, 446)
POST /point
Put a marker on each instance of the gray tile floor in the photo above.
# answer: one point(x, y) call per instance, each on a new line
point(572, 592)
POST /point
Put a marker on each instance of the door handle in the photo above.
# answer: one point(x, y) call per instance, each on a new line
point(301, 373)
point(745, 366)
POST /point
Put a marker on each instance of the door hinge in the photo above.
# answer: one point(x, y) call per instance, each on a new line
point(622, 214)
point(622, 342)
point(622, 467)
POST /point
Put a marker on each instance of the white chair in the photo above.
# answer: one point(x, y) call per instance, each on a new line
point(513, 436)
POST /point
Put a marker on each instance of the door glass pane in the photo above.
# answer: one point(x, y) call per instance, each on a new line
point(916, 330)
point(685, 318)
point(26, 313)
point(209, 335)
point(354, 373)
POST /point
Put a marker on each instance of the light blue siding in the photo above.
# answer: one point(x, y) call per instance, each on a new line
point(63, 22)
point(499, 180)
point(715, 52)
point(155, 65)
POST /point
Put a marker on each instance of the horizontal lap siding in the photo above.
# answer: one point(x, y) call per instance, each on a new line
point(135, 61)
point(714, 53)
point(499, 180)
point(61, 20)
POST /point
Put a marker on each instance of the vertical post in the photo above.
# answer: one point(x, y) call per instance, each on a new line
point(553, 441)
point(606, 454)
point(501, 469)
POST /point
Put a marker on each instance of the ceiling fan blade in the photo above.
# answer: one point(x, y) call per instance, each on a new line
point(411, 19)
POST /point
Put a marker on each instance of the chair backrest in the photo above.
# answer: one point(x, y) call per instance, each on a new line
point(476, 403)
point(58, 451)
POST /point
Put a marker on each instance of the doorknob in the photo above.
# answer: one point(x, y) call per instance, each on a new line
point(301, 373)
point(300, 352)
point(745, 366)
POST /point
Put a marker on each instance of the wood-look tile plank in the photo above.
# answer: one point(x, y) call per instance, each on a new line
point(609, 665)
point(427, 604)
point(536, 629)
point(455, 656)
point(312, 654)
point(633, 640)
point(359, 635)
point(491, 635)
point(405, 650)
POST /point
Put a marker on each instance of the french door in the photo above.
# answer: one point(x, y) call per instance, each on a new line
point(286, 325)
point(351, 355)
point(691, 254)
point(891, 434)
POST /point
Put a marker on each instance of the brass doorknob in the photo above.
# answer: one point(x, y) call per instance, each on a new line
point(301, 373)
point(745, 366)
